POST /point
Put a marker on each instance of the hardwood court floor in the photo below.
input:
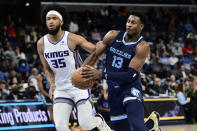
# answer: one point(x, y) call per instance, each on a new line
point(189, 127)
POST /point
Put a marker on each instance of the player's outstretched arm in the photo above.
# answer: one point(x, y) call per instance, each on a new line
point(108, 38)
point(48, 72)
point(77, 40)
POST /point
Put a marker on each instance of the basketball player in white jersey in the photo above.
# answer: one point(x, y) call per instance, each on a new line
point(60, 59)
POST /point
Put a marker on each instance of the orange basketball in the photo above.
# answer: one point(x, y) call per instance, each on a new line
point(80, 82)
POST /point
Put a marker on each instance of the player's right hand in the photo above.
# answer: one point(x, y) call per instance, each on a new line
point(51, 91)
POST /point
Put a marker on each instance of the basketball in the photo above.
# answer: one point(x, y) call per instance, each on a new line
point(80, 82)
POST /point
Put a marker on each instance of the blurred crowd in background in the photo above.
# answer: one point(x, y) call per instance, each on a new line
point(169, 71)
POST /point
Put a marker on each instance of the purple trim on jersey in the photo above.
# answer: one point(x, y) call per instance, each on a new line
point(68, 43)
point(84, 99)
point(57, 41)
point(79, 60)
point(64, 99)
point(76, 66)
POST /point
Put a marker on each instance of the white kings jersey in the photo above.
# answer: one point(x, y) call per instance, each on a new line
point(62, 60)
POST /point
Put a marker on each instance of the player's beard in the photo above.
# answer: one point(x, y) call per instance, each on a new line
point(55, 31)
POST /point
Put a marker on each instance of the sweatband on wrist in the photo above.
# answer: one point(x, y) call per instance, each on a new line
point(127, 77)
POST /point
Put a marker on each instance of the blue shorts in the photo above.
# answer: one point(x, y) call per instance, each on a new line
point(119, 96)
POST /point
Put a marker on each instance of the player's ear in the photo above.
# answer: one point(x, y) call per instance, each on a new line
point(61, 22)
point(142, 26)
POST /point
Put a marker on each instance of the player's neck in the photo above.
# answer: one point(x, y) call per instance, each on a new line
point(131, 38)
point(56, 37)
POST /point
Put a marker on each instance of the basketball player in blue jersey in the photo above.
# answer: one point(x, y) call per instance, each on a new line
point(44, 90)
point(59, 56)
point(126, 53)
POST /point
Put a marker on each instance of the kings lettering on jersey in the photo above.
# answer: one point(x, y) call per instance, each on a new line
point(57, 54)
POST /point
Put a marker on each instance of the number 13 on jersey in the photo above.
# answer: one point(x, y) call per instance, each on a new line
point(117, 62)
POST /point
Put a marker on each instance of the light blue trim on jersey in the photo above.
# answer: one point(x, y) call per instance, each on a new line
point(58, 40)
point(130, 43)
point(27, 127)
point(129, 98)
point(116, 118)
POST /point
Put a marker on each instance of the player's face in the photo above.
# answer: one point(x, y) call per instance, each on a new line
point(53, 24)
point(133, 25)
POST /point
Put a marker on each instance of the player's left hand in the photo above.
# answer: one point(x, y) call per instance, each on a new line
point(90, 73)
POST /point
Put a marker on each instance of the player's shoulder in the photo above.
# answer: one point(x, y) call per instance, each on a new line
point(73, 36)
point(113, 33)
point(143, 45)
point(110, 36)
point(40, 41)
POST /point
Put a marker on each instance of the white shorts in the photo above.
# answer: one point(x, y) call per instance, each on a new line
point(71, 96)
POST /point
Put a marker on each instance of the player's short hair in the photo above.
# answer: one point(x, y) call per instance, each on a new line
point(55, 7)
point(142, 17)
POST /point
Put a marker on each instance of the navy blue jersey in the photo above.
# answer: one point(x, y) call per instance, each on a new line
point(120, 53)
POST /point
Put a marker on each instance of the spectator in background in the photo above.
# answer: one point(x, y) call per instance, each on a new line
point(73, 26)
point(187, 49)
point(33, 78)
point(193, 71)
point(168, 87)
point(180, 42)
point(4, 66)
point(34, 61)
point(31, 93)
point(185, 102)
point(188, 26)
point(186, 61)
point(173, 60)
point(193, 96)
point(177, 50)
point(20, 55)
point(15, 93)
point(12, 66)
point(192, 35)
point(32, 36)
point(182, 73)
point(171, 26)
point(171, 45)
point(180, 27)
point(95, 35)
point(23, 66)
point(11, 30)
point(160, 90)
point(10, 54)
point(164, 59)
point(4, 92)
